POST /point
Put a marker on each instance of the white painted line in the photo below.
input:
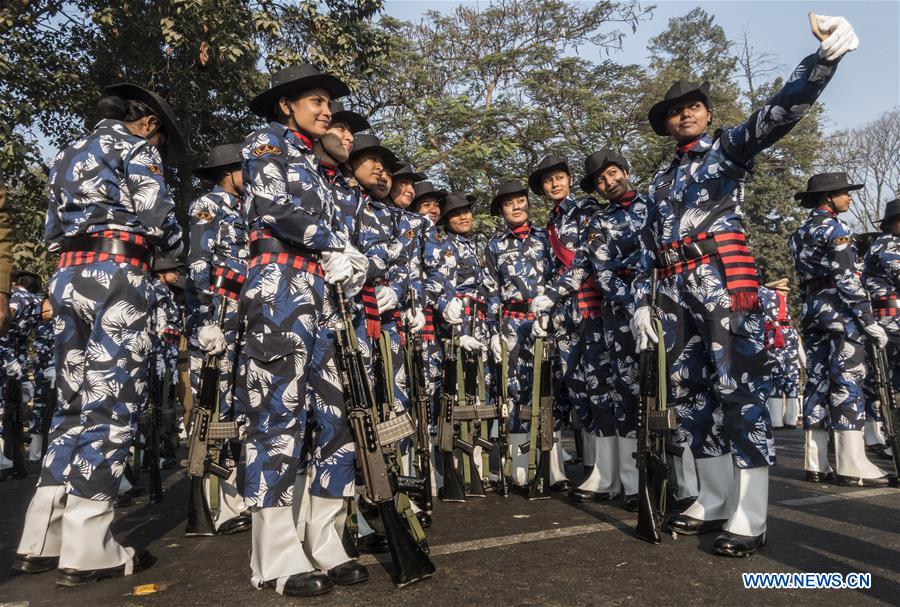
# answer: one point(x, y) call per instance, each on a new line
point(503, 540)
point(834, 497)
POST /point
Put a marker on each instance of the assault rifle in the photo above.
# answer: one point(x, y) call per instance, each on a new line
point(158, 394)
point(422, 407)
point(503, 407)
point(448, 443)
point(474, 414)
point(205, 434)
point(540, 417)
point(654, 422)
point(374, 440)
point(13, 429)
point(890, 400)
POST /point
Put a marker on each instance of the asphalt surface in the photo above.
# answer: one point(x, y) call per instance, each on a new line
point(514, 552)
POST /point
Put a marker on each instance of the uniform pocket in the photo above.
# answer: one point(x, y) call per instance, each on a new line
point(267, 348)
point(746, 324)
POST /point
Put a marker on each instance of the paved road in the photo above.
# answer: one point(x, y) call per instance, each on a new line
point(514, 552)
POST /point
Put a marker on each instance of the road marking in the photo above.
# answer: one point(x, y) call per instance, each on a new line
point(834, 497)
point(504, 540)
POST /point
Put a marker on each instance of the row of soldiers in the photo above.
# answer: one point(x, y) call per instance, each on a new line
point(316, 241)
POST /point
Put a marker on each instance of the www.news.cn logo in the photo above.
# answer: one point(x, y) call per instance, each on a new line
point(802, 581)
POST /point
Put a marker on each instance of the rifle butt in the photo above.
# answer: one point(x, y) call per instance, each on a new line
point(199, 518)
point(539, 488)
point(411, 562)
point(453, 488)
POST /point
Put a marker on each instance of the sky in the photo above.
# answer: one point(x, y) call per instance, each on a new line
point(867, 82)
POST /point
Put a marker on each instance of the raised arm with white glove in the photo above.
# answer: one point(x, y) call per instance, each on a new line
point(337, 266)
point(386, 298)
point(211, 339)
point(470, 344)
point(453, 312)
point(360, 265)
point(642, 328)
point(877, 333)
point(497, 346)
point(840, 38)
point(416, 320)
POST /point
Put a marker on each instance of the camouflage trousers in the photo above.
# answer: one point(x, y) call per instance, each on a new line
point(102, 350)
point(836, 371)
point(288, 387)
point(719, 372)
point(620, 345)
point(520, 370)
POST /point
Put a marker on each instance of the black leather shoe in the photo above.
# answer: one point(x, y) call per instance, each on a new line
point(688, 525)
point(141, 560)
point(311, 583)
point(348, 574)
point(631, 503)
point(27, 563)
point(241, 522)
point(880, 450)
point(374, 543)
point(581, 496)
point(732, 544)
point(819, 477)
point(852, 481)
point(563, 485)
point(424, 519)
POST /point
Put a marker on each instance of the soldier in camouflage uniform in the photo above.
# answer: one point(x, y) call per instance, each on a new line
point(217, 264)
point(784, 344)
point(708, 294)
point(287, 368)
point(581, 364)
point(881, 278)
point(44, 382)
point(836, 320)
point(109, 212)
point(518, 263)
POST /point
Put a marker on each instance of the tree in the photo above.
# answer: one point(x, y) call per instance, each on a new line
point(870, 155)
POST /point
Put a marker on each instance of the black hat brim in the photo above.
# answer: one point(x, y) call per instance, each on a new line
point(808, 198)
point(356, 122)
point(174, 137)
point(497, 200)
point(535, 180)
point(432, 194)
point(657, 114)
point(388, 158)
point(457, 203)
point(262, 104)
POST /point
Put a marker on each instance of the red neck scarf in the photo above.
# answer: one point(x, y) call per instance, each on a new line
point(329, 170)
point(684, 147)
point(827, 210)
point(522, 231)
point(304, 140)
point(626, 200)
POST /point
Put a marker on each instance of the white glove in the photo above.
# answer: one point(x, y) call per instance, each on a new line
point(453, 312)
point(841, 37)
point(537, 329)
point(386, 298)
point(470, 344)
point(539, 304)
point(415, 319)
point(337, 267)
point(497, 347)
point(643, 329)
point(211, 339)
point(360, 265)
point(877, 333)
point(161, 324)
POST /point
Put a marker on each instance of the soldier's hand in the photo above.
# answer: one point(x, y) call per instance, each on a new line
point(211, 339)
point(643, 329)
point(541, 303)
point(453, 312)
point(4, 313)
point(877, 333)
point(470, 344)
point(337, 267)
point(386, 298)
point(416, 320)
point(496, 348)
point(840, 37)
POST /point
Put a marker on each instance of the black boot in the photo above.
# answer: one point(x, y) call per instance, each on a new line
point(311, 583)
point(241, 522)
point(582, 496)
point(688, 525)
point(732, 544)
point(819, 477)
point(26, 563)
point(348, 573)
point(141, 560)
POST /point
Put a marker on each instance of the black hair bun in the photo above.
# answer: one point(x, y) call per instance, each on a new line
point(112, 107)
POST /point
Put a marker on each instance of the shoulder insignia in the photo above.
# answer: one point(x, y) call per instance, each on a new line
point(154, 169)
point(441, 236)
point(204, 216)
point(409, 234)
point(266, 149)
point(841, 240)
point(448, 253)
point(592, 236)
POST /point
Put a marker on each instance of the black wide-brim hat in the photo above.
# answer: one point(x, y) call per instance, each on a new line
point(356, 122)
point(423, 189)
point(510, 187)
point(681, 91)
point(220, 156)
point(453, 201)
point(891, 211)
point(405, 169)
point(15, 275)
point(550, 163)
point(597, 162)
point(174, 137)
point(371, 143)
point(163, 264)
point(823, 183)
point(293, 80)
